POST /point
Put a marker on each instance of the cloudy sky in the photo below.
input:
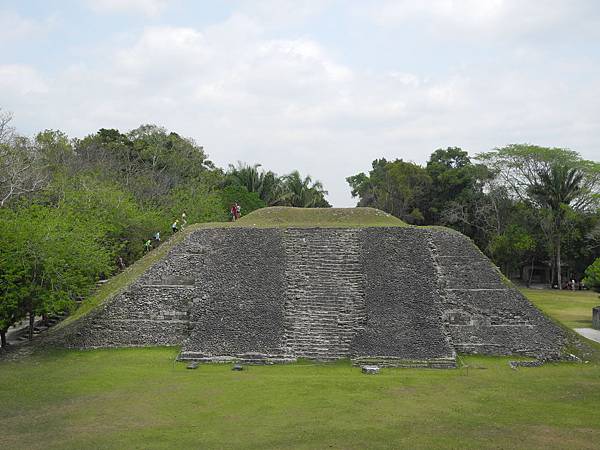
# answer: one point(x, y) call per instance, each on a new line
point(321, 86)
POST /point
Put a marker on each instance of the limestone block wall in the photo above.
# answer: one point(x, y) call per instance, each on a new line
point(324, 292)
point(404, 317)
point(393, 295)
point(482, 312)
point(241, 307)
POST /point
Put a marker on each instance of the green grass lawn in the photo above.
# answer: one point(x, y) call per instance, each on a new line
point(282, 216)
point(572, 308)
point(141, 398)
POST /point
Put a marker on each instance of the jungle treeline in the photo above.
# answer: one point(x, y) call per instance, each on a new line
point(73, 211)
point(525, 206)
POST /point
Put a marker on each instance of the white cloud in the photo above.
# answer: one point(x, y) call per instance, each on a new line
point(15, 27)
point(21, 80)
point(151, 8)
point(288, 103)
point(282, 13)
point(464, 18)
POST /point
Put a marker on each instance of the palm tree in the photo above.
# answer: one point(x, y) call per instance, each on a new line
point(556, 188)
point(303, 193)
point(265, 184)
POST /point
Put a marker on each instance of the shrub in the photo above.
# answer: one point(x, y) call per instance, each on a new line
point(592, 275)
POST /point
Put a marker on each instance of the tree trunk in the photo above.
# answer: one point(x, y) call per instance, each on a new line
point(3, 342)
point(558, 267)
point(31, 322)
point(530, 274)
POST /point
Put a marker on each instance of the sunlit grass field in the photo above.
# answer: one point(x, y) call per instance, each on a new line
point(572, 308)
point(143, 399)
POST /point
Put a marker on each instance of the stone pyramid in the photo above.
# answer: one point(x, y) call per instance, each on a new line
point(399, 296)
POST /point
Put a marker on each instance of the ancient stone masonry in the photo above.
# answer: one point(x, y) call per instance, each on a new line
point(401, 296)
point(404, 323)
point(482, 312)
point(324, 293)
point(240, 311)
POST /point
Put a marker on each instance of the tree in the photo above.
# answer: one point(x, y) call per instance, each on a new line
point(21, 167)
point(265, 184)
point(455, 180)
point(397, 187)
point(556, 189)
point(6, 130)
point(303, 192)
point(552, 179)
point(248, 201)
point(47, 259)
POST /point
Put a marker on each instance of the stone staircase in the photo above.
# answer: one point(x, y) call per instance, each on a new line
point(324, 293)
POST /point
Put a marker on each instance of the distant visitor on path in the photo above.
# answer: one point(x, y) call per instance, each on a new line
point(175, 226)
point(233, 212)
point(238, 210)
point(148, 245)
point(157, 236)
point(183, 220)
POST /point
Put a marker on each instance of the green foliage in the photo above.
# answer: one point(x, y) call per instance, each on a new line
point(455, 180)
point(289, 190)
point(397, 187)
point(199, 204)
point(248, 201)
point(48, 258)
point(303, 192)
point(512, 247)
point(592, 275)
point(521, 204)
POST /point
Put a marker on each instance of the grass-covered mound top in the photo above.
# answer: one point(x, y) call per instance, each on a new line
point(284, 217)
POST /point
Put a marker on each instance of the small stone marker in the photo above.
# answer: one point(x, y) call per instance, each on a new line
point(237, 367)
point(193, 365)
point(370, 369)
point(515, 364)
point(596, 318)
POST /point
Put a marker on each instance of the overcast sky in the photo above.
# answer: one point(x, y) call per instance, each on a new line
point(320, 86)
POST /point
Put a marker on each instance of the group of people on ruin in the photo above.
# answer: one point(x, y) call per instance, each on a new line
point(180, 224)
point(235, 211)
point(176, 226)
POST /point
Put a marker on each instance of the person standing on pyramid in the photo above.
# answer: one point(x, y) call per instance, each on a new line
point(183, 220)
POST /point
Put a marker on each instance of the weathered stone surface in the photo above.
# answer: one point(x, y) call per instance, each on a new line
point(381, 296)
point(482, 312)
point(324, 293)
point(402, 299)
point(516, 364)
point(371, 370)
point(241, 308)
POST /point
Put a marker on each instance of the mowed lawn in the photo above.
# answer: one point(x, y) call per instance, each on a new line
point(143, 399)
point(572, 308)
